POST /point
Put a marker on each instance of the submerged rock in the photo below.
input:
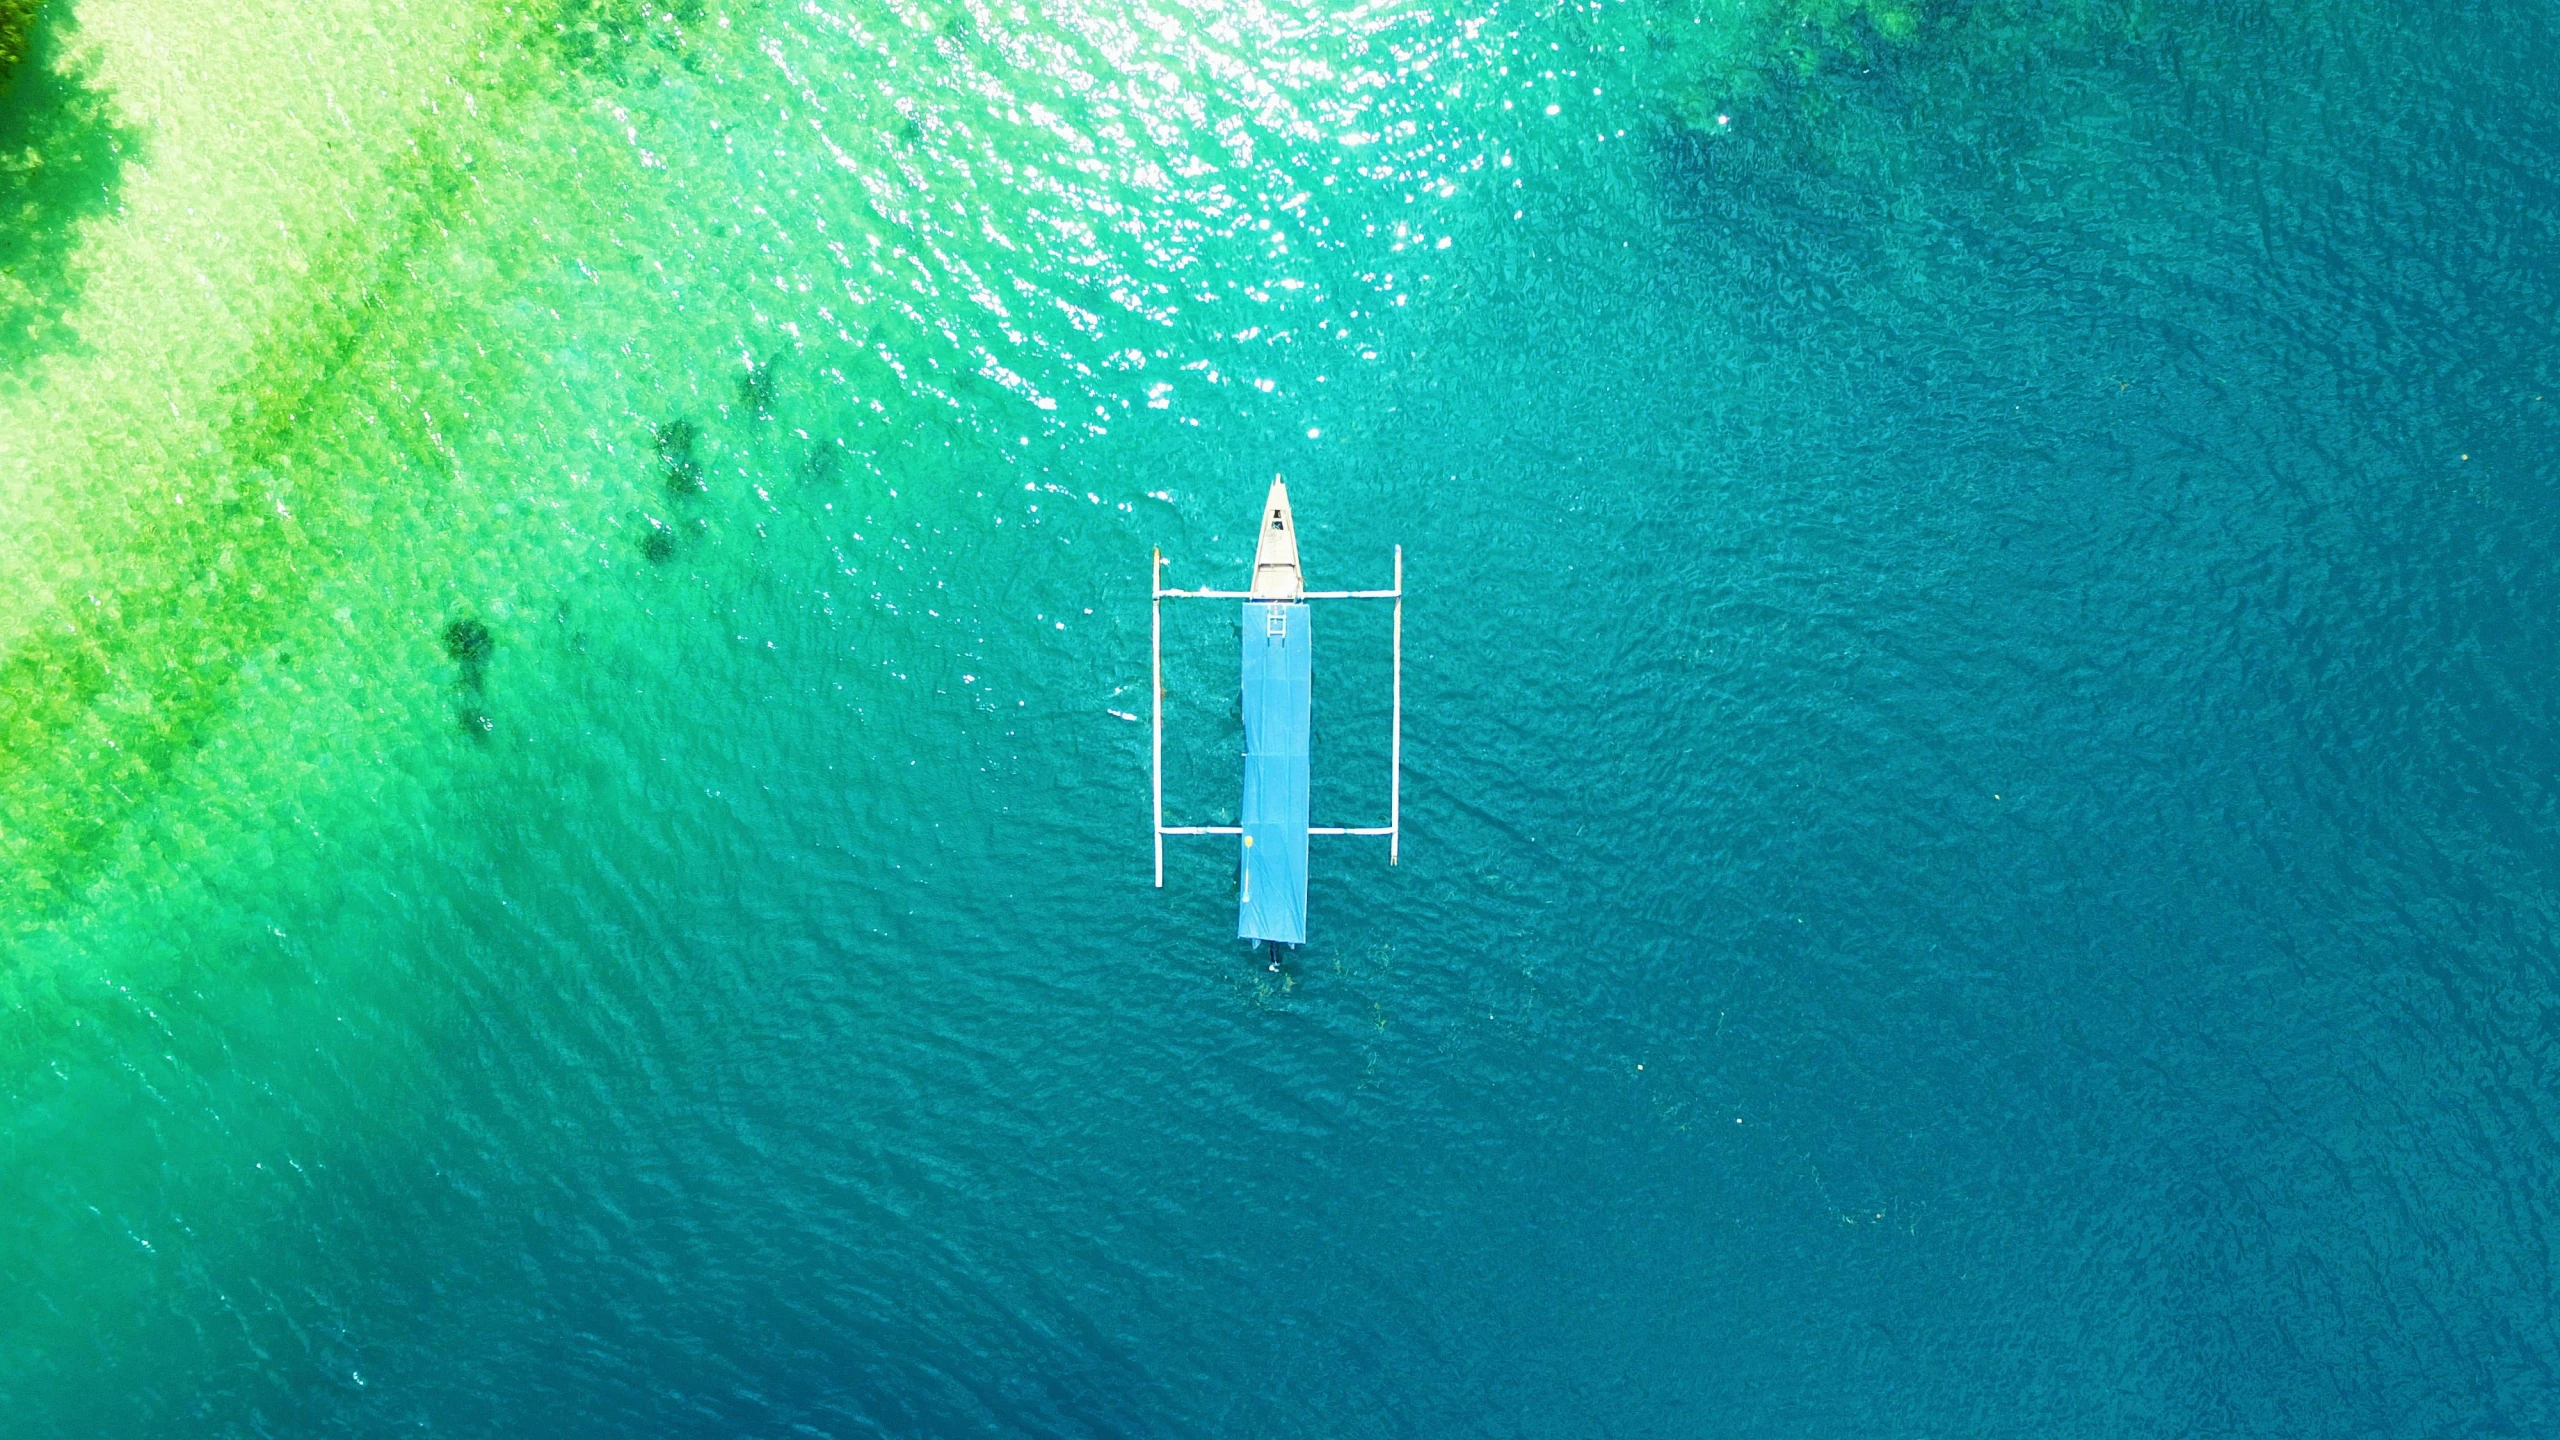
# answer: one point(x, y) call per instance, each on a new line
point(468, 644)
point(62, 159)
point(676, 466)
point(755, 388)
point(468, 641)
point(17, 21)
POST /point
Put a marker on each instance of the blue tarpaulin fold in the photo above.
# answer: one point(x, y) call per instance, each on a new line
point(1272, 893)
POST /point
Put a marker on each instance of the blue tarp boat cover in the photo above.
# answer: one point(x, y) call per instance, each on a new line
point(1272, 895)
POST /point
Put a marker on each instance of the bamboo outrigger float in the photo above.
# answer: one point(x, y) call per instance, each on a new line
point(1271, 901)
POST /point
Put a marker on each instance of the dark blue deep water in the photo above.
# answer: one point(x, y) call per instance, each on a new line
point(1980, 787)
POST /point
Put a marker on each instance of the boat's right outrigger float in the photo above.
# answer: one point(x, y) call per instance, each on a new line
point(1271, 901)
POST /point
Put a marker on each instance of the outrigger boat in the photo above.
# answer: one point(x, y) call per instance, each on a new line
point(1277, 664)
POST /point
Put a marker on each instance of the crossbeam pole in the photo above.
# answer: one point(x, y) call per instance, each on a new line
point(1397, 594)
point(1155, 695)
point(1164, 830)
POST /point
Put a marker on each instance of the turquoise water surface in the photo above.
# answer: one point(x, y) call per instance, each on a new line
point(1978, 718)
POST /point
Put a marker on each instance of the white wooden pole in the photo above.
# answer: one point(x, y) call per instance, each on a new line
point(1395, 742)
point(1155, 695)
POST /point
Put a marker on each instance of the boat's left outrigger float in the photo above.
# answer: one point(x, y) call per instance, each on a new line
point(1271, 901)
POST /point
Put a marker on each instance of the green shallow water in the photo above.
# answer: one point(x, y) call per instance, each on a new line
point(572, 645)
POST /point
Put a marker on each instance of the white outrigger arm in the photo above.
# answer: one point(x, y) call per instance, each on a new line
point(1276, 700)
